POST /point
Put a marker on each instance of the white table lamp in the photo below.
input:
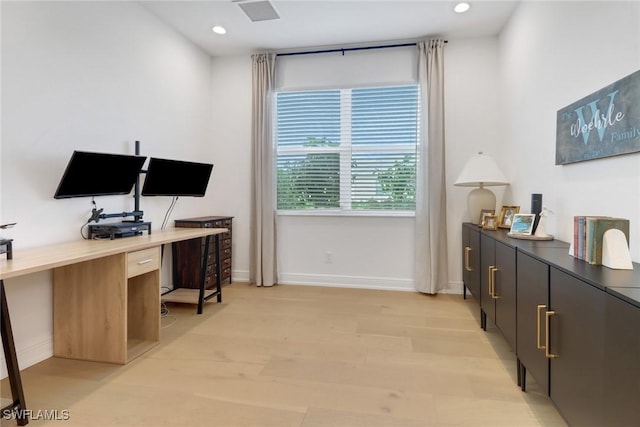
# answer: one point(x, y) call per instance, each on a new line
point(480, 171)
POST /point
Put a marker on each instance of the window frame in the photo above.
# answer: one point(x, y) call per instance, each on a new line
point(346, 150)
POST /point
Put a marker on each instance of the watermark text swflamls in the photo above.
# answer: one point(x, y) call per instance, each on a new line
point(37, 414)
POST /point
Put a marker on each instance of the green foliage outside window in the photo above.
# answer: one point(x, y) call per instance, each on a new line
point(396, 184)
point(312, 181)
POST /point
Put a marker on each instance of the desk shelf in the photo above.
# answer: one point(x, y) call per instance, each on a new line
point(187, 296)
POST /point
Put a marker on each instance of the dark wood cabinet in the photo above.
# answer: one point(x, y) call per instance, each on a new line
point(498, 286)
point(188, 255)
point(471, 259)
point(487, 263)
point(575, 327)
point(622, 363)
point(532, 303)
point(575, 324)
point(504, 292)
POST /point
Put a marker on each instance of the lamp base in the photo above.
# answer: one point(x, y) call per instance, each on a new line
point(478, 199)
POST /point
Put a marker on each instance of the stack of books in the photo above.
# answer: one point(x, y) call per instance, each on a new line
point(588, 232)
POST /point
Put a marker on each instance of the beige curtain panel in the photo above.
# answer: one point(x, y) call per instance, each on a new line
point(262, 239)
point(431, 263)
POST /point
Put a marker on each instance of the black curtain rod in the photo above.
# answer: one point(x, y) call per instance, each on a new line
point(347, 49)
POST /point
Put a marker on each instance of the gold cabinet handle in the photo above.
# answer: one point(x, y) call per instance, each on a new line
point(467, 251)
point(547, 352)
point(491, 267)
point(493, 280)
point(539, 318)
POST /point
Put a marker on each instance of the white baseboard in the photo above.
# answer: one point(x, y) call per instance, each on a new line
point(355, 282)
point(31, 354)
point(240, 275)
point(346, 281)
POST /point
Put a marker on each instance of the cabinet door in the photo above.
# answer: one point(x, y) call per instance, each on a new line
point(505, 292)
point(577, 339)
point(471, 259)
point(533, 291)
point(487, 261)
point(622, 369)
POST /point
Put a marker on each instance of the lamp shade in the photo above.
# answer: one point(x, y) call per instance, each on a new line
point(481, 171)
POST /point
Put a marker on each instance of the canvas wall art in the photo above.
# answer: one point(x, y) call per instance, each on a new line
point(605, 123)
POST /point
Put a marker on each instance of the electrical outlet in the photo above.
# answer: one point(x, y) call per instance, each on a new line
point(328, 257)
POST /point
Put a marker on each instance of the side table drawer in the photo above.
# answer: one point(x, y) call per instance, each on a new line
point(226, 253)
point(144, 261)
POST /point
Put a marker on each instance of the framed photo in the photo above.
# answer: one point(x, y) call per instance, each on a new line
point(483, 213)
point(506, 216)
point(522, 224)
point(490, 222)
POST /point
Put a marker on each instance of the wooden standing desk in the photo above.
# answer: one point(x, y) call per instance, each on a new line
point(106, 297)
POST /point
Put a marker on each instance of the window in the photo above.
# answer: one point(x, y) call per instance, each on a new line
point(347, 149)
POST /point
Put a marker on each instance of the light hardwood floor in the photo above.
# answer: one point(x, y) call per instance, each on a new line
point(302, 356)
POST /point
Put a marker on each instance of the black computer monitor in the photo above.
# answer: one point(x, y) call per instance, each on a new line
point(176, 178)
point(99, 174)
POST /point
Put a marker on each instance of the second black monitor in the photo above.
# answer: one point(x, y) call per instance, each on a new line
point(176, 178)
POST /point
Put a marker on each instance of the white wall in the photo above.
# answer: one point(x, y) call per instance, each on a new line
point(231, 129)
point(359, 251)
point(552, 54)
point(90, 76)
point(372, 252)
point(472, 124)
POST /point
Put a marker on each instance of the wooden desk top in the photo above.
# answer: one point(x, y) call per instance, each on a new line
point(57, 255)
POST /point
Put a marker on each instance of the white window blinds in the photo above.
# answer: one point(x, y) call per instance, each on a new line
point(347, 149)
point(345, 131)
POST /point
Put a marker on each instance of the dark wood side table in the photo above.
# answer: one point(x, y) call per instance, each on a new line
point(200, 265)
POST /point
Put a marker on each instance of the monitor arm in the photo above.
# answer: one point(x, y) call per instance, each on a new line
point(97, 215)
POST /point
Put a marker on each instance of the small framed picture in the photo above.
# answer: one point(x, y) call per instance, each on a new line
point(506, 216)
point(522, 224)
point(483, 213)
point(490, 222)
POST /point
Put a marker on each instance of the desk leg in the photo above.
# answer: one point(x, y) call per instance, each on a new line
point(218, 268)
point(13, 370)
point(205, 256)
point(203, 273)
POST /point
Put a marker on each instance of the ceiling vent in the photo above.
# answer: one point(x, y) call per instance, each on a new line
point(258, 10)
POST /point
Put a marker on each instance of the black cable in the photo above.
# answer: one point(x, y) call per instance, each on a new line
point(81, 233)
point(95, 207)
point(168, 214)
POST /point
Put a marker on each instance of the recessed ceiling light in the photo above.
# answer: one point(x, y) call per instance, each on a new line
point(462, 7)
point(219, 30)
